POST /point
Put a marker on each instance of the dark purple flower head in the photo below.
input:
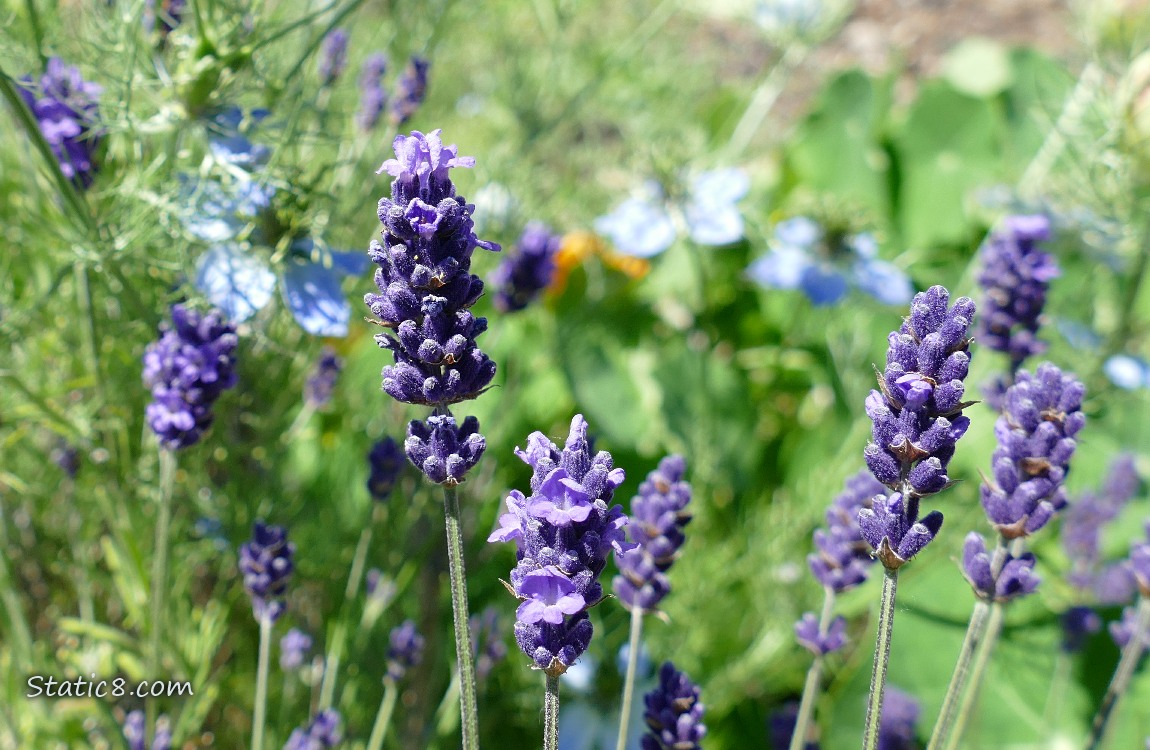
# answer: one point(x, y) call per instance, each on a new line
point(781, 727)
point(1015, 578)
point(293, 648)
point(900, 713)
point(404, 650)
point(563, 533)
point(893, 529)
point(333, 56)
point(1078, 624)
point(658, 516)
point(266, 565)
point(411, 90)
point(385, 461)
point(67, 110)
point(528, 269)
point(323, 732)
point(425, 281)
point(442, 451)
point(1043, 413)
point(1015, 276)
point(842, 557)
point(810, 637)
point(487, 635)
point(321, 384)
point(67, 457)
point(135, 732)
point(673, 713)
point(1086, 517)
point(187, 369)
point(372, 95)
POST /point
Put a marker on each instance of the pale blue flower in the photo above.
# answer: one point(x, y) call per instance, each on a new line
point(643, 226)
point(1125, 371)
point(802, 257)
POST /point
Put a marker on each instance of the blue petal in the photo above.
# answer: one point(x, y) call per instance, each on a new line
point(234, 281)
point(863, 244)
point(637, 228)
point(314, 296)
point(714, 226)
point(1127, 372)
point(719, 187)
point(781, 268)
point(824, 285)
point(883, 281)
point(349, 263)
point(799, 231)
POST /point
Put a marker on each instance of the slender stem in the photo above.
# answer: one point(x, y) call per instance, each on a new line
point(1119, 683)
point(331, 664)
point(814, 677)
point(1073, 110)
point(629, 681)
point(994, 619)
point(468, 704)
point(881, 658)
point(160, 574)
point(339, 639)
point(764, 98)
point(551, 714)
point(383, 718)
point(261, 707)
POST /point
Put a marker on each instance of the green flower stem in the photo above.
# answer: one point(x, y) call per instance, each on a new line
point(881, 658)
point(994, 619)
point(1122, 675)
point(468, 704)
point(261, 706)
point(764, 98)
point(976, 632)
point(629, 680)
point(160, 575)
point(383, 718)
point(814, 678)
point(551, 714)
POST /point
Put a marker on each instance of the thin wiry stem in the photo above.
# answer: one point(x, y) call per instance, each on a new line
point(383, 718)
point(261, 706)
point(160, 574)
point(1120, 682)
point(551, 714)
point(629, 680)
point(764, 98)
point(814, 678)
point(881, 658)
point(468, 704)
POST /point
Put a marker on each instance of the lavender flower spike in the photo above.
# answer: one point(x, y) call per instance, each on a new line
point(386, 463)
point(528, 270)
point(67, 108)
point(842, 556)
point(411, 90)
point(323, 732)
point(135, 732)
point(820, 643)
point(372, 95)
point(1043, 413)
point(897, 731)
point(293, 648)
point(321, 384)
point(1015, 579)
point(333, 57)
point(674, 714)
point(442, 451)
point(266, 565)
point(187, 369)
point(404, 651)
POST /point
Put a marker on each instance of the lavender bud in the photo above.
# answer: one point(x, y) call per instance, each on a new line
point(1015, 579)
point(372, 95)
point(66, 107)
point(674, 714)
point(404, 651)
point(528, 269)
point(323, 732)
point(386, 463)
point(1122, 631)
point(442, 451)
point(893, 529)
point(67, 457)
point(820, 643)
point(293, 649)
point(411, 90)
point(333, 56)
point(321, 384)
point(266, 565)
point(842, 556)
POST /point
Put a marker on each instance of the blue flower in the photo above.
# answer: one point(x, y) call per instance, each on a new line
point(1129, 373)
point(826, 265)
point(643, 226)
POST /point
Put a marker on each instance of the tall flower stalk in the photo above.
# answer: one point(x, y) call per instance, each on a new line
point(426, 290)
point(917, 420)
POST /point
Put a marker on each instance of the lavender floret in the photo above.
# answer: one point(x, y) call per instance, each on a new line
point(187, 369)
point(385, 462)
point(818, 642)
point(1084, 521)
point(1122, 631)
point(293, 648)
point(673, 713)
point(486, 634)
point(321, 384)
point(1078, 624)
point(323, 732)
point(404, 650)
point(66, 107)
point(1015, 579)
point(899, 715)
point(842, 558)
point(658, 516)
point(372, 94)
point(528, 269)
point(135, 732)
point(442, 451)
point(333, 57)
point(266, 565)
point(411, 90)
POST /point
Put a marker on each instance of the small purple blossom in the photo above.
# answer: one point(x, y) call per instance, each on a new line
point(674, 713)
point(385, 463)
point(487, 635)
point(842, 557)
point(411, 90)
point(893, 528)
point(1078, 624)
point(404, 650)
point(67, 110)
point(293, 649)
point(187, 369)
point(1082, 525)
point(1015, 578)
point(323, 732)
point(333, 56)
point(899, 715)
point(372, 94)
point(528, 269)
point(442, 451)
point(1122, 631)
point(266, 565)
point(135, 732)
point(67, 457)
point(820, 643)
point(550, 595)
point(321, 384)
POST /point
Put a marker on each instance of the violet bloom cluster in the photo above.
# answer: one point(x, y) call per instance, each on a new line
point(1082, 526)
point(321, 384)
point(1139, 565)
point(486, 635)
point(410, 90)
point(385, 463)
point(372, 94)
point(1014, 579)
point(900, 714)
point(528, 269)
point(658, 516)
point(266, 565)
point(67, 109)
point(404, 649)
point(293, 649)
point(192, 363)
point(135, 732)
point(563, 533)
point(917, 420)
point(323, 732)
point(333, 56)
point(674, 713)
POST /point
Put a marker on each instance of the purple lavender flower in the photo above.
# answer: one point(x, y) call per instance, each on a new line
point(818, 642)
point(1140, 566)
point(1015, 579)
point(563, 533)
point(404, 651)
point(67, 109)
point(372, 95)
point(187, 369)
point(781, 727)
point(386, 464)
point(411, 90)
point(67, 457)
point(1015, 276)
point(293, 648)
point(528, 270)
point(323, 732)
point(1082, 527)
point(266, 565)
point(1078, 624)
point(658, 516)
point(486, 634)
point(1122, 631)
point(321, 384)
point(674, 714)
point(135, 732)
point(899, 715)
point(1042, 414)
point(333, 56)
point(842, 557)
point(442, 451)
